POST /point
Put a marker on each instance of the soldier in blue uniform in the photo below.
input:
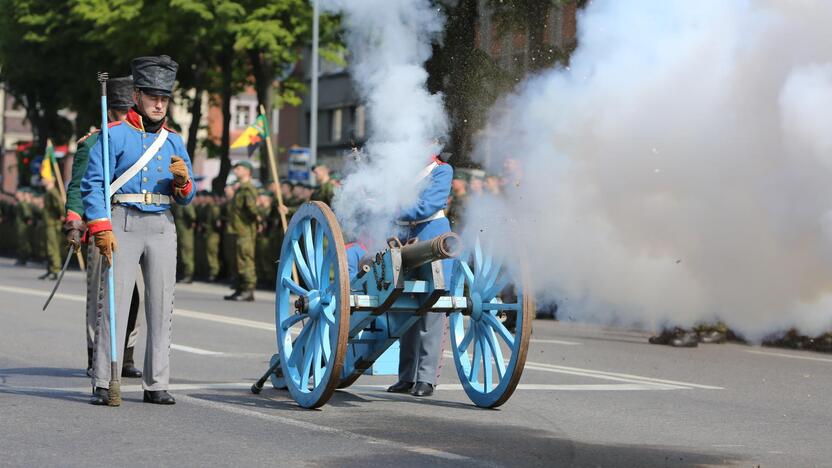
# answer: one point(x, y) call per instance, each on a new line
point(419, 351)
point(150, 170)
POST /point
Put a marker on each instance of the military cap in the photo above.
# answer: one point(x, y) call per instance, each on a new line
point(244, 163)
point(120, 92)
point(154, 75)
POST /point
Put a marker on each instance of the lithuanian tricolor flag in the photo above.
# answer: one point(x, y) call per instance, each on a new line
point(48, 162)
point(253, 136)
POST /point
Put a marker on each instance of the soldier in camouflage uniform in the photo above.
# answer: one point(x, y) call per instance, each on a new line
point(211, 222)
point(263, 251)
point(185, 221)
point(326, 187)
point(229, 237)
point(244, 219)
point(22, 220)
point(53, 210)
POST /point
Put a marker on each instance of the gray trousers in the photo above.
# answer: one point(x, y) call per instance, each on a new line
point(147, 240)
point(96, 299)
point(420, 349)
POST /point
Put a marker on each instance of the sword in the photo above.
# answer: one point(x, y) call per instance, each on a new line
point(61, 275)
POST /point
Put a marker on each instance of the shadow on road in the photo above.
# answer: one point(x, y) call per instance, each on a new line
point(43, 372)
point(508, 445)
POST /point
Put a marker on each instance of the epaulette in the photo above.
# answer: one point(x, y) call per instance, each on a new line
point(84, 138)
point(113, 124)
point(169, 129)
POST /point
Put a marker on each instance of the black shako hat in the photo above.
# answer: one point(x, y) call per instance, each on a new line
point(154, 75)
point(120, 92)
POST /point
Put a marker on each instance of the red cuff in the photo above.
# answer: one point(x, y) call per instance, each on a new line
point(184, 191)
point(99, 225)
point(72, 216)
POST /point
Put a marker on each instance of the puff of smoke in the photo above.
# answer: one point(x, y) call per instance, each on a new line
point(678, 171)
point(389, 42)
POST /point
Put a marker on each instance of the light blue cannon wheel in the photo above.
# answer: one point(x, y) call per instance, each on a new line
point(312, 312)
point(489, 358)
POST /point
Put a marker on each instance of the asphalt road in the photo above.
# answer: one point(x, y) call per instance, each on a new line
point(590, 396)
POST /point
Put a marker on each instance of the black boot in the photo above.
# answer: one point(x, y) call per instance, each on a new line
point(128, 368)
point(400, 387)
point(243, 296)
point(158, 397)
point(45, 275)
point(684, 339)
point(247, 296)
point(100, 397)
point(422, 389)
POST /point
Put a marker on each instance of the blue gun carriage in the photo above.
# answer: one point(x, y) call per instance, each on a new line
point(331, 328)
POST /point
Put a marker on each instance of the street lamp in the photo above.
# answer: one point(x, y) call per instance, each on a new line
point(313, 127)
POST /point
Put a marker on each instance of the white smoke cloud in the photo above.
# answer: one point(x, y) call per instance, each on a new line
point(389, 42)
point(680, 170)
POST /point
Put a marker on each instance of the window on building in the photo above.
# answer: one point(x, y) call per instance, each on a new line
point(242, 117)
point(335, 122)
point(358, 122)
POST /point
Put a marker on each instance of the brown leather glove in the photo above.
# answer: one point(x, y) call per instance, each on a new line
point(106, 243)
point(73, 228)
point(179, 170)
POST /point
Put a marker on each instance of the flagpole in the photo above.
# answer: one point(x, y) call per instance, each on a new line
point(56, 169)
point(273, 166)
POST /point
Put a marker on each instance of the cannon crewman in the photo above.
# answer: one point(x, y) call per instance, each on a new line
point(155, 169)
point(420, 347)
point(119, 101)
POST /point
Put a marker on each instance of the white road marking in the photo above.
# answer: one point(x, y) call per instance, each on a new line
point(189, 349)
point(656, 384)
point(560, 342)
point(224, 319)
point(791, 356)
point(626, 378)
point(530, 387)
point(619, 376)
point(38, 292)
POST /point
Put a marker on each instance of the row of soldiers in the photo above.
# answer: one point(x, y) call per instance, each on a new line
point(237, 235)
point(30, 226)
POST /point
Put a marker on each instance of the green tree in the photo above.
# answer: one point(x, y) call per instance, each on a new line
point(34, 61)
point(273, 36)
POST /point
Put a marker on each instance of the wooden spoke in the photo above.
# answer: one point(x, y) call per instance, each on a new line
point(286, 324)
point(496, 351)
point(302, 267)
point(309, 250)
point(294, 287)
point(466, 340)
point(500, 329)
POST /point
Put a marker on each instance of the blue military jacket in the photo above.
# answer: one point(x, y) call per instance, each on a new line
point(128, 141)
point(432, 198)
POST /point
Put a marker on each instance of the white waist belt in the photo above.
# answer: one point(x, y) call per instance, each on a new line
point(437, 215)
point(143, 198)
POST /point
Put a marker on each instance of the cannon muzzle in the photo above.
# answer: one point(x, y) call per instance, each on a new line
point(447, 245)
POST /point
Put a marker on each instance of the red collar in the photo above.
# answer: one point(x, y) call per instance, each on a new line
point(437, 160)
point(135, 121)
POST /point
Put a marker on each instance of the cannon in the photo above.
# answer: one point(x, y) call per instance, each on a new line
point(332, 328)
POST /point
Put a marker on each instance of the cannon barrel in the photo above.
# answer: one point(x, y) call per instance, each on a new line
point(447, 245)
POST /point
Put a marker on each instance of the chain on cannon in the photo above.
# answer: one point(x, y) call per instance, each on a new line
point(332, 328)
